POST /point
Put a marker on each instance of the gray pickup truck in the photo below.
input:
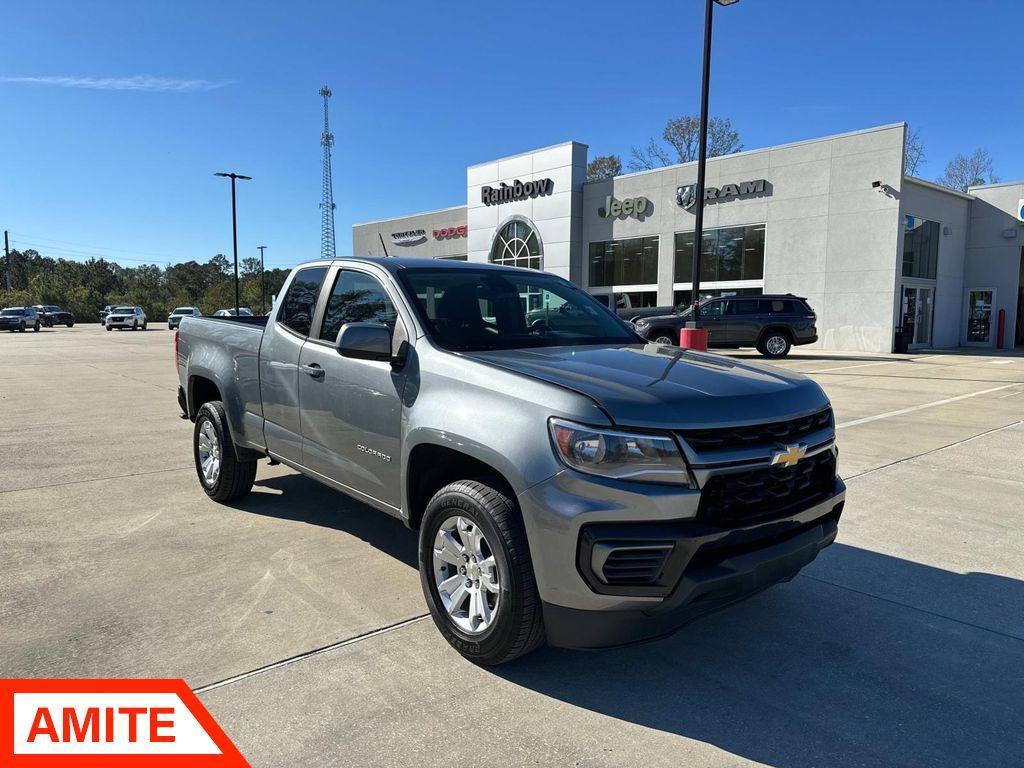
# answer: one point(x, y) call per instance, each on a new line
point(570, 482)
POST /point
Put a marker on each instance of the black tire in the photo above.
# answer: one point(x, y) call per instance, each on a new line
point(774, 344)
point(135, 325)
point(109, 328)
point(236, 477)
point(662, 336)
point(71, 324)
point(517, 626)
point(35, 328)
point(144, 323)
point(21, 328)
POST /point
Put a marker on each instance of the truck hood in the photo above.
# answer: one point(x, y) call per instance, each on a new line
point(656, 386)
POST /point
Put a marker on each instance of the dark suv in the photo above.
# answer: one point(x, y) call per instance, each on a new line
point(51, 315)
point(772, 323)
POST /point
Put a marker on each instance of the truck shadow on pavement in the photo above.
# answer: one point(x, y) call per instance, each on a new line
point(295, 497)
point(815, 674)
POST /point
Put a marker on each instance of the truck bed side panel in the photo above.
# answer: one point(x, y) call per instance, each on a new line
point(227, 353)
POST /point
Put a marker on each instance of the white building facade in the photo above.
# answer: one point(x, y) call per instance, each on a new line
point(834, 220)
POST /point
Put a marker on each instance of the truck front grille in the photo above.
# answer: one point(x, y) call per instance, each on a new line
point(740, 498)
point(731, 438)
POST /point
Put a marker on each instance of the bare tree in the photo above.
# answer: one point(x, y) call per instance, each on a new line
point(646, 158)
point(965, 171)
point(604, 167)
point(682, 135)
point(913, 153)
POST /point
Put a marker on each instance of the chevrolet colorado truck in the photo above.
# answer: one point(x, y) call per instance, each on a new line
point(570, 483)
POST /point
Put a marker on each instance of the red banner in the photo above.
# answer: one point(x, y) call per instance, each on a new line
point(109, 724)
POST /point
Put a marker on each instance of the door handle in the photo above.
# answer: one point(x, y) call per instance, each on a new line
point(313, 370)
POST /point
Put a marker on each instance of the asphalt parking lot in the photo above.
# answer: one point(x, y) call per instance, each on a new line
point(298, 616)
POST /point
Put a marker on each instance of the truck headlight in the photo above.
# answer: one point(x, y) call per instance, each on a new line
point(641, 324)
point(620, 455)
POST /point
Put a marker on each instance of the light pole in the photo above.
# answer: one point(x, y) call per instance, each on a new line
point(263, 282)
point(234, 226)
point(699, 340)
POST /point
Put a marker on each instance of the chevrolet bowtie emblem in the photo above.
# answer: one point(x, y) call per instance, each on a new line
point(790, 456)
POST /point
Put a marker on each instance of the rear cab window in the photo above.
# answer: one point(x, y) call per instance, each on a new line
point(299, 303)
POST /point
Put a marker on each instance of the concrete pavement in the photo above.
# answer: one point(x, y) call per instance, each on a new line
point(903, 644)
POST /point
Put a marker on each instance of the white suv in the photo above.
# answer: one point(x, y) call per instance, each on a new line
point(126, 317)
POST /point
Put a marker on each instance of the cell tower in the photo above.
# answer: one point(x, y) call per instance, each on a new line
point(327, 205)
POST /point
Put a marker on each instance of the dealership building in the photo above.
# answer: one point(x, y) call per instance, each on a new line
point(833, 219)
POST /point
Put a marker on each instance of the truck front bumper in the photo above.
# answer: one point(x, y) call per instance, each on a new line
point(702, 567)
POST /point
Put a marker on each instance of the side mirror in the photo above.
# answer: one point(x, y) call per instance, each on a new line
point(365, 341)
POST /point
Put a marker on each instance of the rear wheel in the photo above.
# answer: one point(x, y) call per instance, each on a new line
point(774, 344)
point(477, 575)
point(221, 474)
point(21, 328)
point(35, 328)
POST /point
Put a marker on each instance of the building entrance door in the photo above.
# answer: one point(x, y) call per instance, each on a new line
point(916, 315)
point(979, 316)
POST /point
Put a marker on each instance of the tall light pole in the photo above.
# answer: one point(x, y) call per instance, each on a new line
point(263, 282)
point(700, 340)
point(234, 226)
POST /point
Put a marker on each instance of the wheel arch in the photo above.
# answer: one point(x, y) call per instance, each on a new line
point(430, 466)
point(775, 328)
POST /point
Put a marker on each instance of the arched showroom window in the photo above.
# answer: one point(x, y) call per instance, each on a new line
point(516, 244)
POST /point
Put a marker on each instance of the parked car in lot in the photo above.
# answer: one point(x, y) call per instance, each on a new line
point(106, 311)
point(174, 318)
point(19, 319)
point(50, 315)
point(771, 323)
point(626, 306)
point(242, 311)
point(570, 484)
point(126, 318)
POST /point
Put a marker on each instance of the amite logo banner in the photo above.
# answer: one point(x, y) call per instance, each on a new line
point(107, 724)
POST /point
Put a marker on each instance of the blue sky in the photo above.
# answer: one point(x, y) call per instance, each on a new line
point(115, 115)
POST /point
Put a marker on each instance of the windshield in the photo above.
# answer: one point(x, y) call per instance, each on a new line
point(182, 311)
point(11, 312)
point(474, 310)
point(124, 309)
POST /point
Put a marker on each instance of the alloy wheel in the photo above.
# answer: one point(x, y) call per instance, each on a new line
point(775, 345)
point(209, 453)
point(465, 574)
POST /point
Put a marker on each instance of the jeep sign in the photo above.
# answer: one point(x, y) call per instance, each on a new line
point(686, 195)
point(631, 206)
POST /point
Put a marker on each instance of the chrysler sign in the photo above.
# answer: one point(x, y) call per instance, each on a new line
point(517, 190)
point(409, 237)
point(686, 195)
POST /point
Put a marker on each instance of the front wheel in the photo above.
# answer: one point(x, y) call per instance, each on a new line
point(663, 338)
point(135, 325)
point(221, 474)
point(21, 328)
point(144, 323)
point(774, 345)
point(71, 324)
point(109, 328)
point(476, 573)
point(35, 328)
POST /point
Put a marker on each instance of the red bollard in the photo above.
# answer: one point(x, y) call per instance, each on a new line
point(1000, 328)
point(694, 338)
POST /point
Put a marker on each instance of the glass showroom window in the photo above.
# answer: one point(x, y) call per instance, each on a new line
point(516, 245)
point(920, 247)
point(624, 262)
point(731, 253)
